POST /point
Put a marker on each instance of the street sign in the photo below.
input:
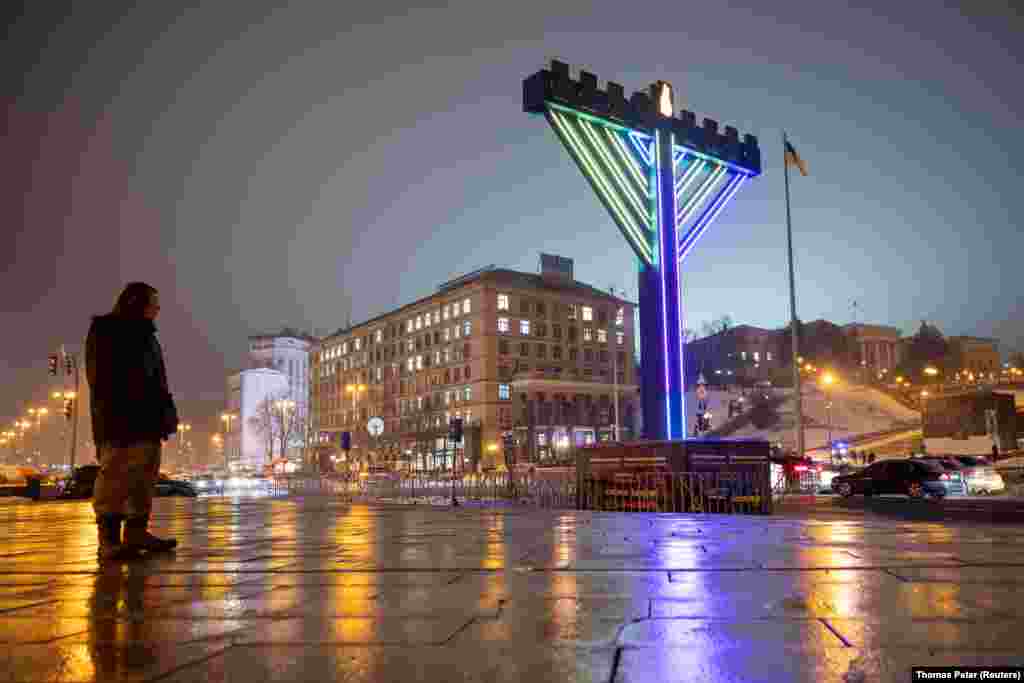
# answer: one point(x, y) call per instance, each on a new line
point(375, 426)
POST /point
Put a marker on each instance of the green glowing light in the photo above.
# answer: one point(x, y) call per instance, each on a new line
point(624, 183)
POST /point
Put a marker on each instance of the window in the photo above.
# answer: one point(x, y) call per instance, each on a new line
point(380, 374)
point(556, 352)
point(571, 311)
point(556, 331)
point(419, 322)
point(540, 309)
point(743, 355)
point(426, 320)
point(768, 355)
point(588, 355)
point(419, 362)
point(447, 334)
point(524, 327)
point(504, 392)
point(447, 355)
point(410, 363)
point(467, 394)
point(465, 372)
point(620, 317)
point(603, 356)
point(357, 343)
point(620, 338)
point(455, 332)
point(465, 306)
point(542, 330)
point(344, 348)
point(437, 357)
point(503, 347)
point(541, 351)
point(572, 354)
point(437, 316)
point(457, 375)
point(588, 334)
point(602, 317)
point(410, 325)
point(503, 302)
point(524, 305)
point(602, 336)
point(524, 349)
point(757, 356)
point(572, 334)
point(379, 336)
point(503, 325)
point(588, 313)
point(446, 311)
point(467, 328)
point(456, 312)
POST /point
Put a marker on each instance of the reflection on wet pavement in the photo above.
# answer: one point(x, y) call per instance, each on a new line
point(313, 589)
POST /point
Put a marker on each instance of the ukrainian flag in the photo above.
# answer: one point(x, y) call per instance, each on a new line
point(793, 159)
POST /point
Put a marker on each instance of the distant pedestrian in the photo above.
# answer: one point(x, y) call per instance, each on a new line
point(132, 413)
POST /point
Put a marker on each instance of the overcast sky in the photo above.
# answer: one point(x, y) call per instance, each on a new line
point(264, 164)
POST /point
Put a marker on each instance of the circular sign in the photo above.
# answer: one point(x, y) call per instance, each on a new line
point(375, 426)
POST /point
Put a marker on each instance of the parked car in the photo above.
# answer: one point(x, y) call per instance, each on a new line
point(80, 485)
point(957, 481)
point(980, 475)
point(915, 477)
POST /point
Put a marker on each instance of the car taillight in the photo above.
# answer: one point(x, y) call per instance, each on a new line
point(944, 477)
point(800, 468)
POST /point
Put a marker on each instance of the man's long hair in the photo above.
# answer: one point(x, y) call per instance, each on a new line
point(132, 301)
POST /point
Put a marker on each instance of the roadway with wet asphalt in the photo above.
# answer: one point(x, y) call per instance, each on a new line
point(317, 590)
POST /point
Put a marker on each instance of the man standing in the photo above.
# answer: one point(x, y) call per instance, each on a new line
point(132, 413)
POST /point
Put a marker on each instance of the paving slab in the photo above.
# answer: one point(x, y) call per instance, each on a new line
point(316, 589)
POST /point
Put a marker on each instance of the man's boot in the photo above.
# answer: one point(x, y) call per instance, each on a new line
point(111, 548)
point(137, 537)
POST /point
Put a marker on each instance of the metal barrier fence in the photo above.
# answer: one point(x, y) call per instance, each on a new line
point(727, 492)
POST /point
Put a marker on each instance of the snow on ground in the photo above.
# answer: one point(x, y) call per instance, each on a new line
point(855, 411)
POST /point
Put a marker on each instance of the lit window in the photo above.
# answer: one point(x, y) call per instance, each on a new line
point(602, 336)
point(446, 311)
point(524, 327)
point(743, 355)
point(572, 311)
point(504, 392)
point(455, 310)
point(426, 320)
point(503, 302)
point(467, 394)
point(503, 325)
point(380, 336)
point(588, 313)
point(419, 402)
point(620, 338)
point(437, 357)
point(588, 334)
point(467, 328)
point(620, 317)
point(447, 355)
point(357, 343)
point(410, 363)
point(419, 322)
point(447, 334)
point(437, 316)
point(410, 324)
point(380, 374)
point(768, 355)
point(410, 345)
point(465, 306)
point(757, 356)
point(447, 397)
point(419, 362)
point(455, 331)
point(344, 348)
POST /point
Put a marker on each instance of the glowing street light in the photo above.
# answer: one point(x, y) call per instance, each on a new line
point(931, 371)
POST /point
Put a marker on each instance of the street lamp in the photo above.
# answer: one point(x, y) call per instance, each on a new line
point(827, 380)
point(227, 418)
point(182, 429)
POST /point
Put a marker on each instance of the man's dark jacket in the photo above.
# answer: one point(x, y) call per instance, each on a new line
point(128, 381)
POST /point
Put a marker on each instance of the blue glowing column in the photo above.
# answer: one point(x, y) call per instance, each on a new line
point(660, 309)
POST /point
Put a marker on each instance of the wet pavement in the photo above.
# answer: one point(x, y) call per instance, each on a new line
point(315, 590)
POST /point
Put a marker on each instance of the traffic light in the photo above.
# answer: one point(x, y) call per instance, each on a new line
point(68, 406)
point(346, 441)
point(54, 363)
point(455, 429)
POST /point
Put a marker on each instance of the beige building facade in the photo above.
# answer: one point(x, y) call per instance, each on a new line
point(536, 354)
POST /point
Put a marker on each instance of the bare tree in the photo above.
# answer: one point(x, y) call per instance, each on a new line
point(264, 424)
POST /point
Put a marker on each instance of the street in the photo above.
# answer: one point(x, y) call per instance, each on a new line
point(303, 589)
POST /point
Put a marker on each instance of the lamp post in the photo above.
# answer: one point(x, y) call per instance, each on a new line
point(182, 429)
point(827, 380)
point(355, 390)
point(227, 419)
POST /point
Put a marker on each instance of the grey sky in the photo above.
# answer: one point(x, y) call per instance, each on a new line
point(265, 164)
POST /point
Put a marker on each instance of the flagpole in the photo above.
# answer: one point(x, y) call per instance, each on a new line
point(792, 310)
